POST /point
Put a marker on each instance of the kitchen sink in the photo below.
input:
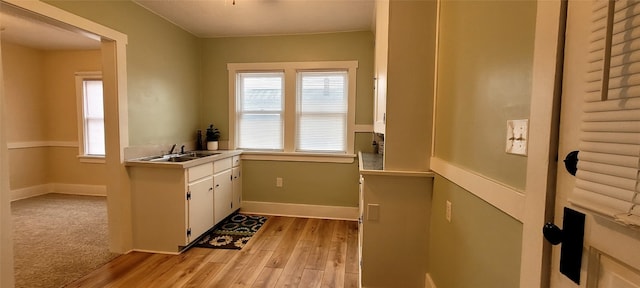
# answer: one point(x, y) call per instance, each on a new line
point(180, 157)
point(200, 154)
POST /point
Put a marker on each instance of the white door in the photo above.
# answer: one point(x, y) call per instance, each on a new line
point(611, 252)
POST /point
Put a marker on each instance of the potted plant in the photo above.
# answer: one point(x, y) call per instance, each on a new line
point(213, 135)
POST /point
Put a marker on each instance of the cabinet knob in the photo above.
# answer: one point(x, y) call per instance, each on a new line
point(210, 188)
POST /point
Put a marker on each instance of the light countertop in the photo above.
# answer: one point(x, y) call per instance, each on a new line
point(373, 164)
point(140, 162)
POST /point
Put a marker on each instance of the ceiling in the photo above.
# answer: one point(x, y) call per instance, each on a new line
point(228, 18)
point(20, 27)
point(205, 18)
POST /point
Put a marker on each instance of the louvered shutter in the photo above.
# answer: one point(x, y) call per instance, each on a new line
point(607, 181)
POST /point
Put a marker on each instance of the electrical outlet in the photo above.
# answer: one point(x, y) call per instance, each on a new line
point(278, 181)
point(447, 213)
point(373, 212)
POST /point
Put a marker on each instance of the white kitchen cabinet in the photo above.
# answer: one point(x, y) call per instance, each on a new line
point(174, 203)
point(171, 207)
point(200, 199)
point(237, 183)
point(222, 195)
point(227, 187)
point(381, 66)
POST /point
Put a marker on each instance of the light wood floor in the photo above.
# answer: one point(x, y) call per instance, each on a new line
point(286, 252)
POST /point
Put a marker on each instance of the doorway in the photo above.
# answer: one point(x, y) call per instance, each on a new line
point(113, 48)
point(39, 63)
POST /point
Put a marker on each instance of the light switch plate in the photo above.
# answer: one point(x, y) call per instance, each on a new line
point(517, 136)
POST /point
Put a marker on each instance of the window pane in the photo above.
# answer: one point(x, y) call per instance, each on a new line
point(323, 92)
point(260, 131)
point(95, 137)
point(261, 91)
point(94, 142)
point(93, 98)
point(322, 133)
point(322, 111)
point(260, 111)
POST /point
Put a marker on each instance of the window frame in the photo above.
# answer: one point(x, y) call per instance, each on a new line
point(80, 77)
point(290, 70)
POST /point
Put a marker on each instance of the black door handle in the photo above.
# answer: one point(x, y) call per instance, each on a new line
point(572, 238)
point(571, 162)
point(552, 233)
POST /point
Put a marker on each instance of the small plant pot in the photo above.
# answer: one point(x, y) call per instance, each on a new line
point(212, 145)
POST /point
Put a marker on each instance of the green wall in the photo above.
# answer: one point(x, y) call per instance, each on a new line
point(304, 183)
point(485, 66)
point(481, 245)
point(217, 52)
point(484, 79)
point(163, 70)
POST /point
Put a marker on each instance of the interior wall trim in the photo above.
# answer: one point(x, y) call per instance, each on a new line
point(507, 199)
point(428, 282)
point(39, 144)
point(28, 192)
point(363, 128)
point(300, 210)
point(62, 188)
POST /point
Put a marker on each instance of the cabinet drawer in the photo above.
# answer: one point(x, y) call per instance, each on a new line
point(222, 165)
point(200, 171)
point(236, 161)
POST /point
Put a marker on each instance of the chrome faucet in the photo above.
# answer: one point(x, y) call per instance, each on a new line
point(182, 149)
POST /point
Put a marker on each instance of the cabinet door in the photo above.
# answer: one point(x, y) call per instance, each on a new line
point(381, 66)
point(222, 195)
point(237, 188)
point(200, 207)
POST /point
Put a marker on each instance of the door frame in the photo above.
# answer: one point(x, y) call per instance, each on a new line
point(116, 133)
point(543, 142)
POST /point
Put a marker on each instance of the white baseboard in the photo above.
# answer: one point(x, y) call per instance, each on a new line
point(300, 210)
point(29, 192)
point(75, 189)
point(428, 282)
point(40, 144)
point(80, 189)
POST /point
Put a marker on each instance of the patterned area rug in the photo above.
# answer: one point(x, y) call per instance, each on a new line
point(233, 233)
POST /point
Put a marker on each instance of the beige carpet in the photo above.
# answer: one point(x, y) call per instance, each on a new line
point(58, 238)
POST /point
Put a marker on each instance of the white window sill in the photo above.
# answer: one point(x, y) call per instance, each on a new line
point(298, 157)
point(91, 159)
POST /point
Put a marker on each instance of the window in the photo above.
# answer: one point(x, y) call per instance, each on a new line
point(260, 110)
point(90, 115)
point(608, 176)
point(322, 111)
point(293, 108)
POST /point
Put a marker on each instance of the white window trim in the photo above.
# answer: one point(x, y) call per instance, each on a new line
point(290, 70)
point(80, 77)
